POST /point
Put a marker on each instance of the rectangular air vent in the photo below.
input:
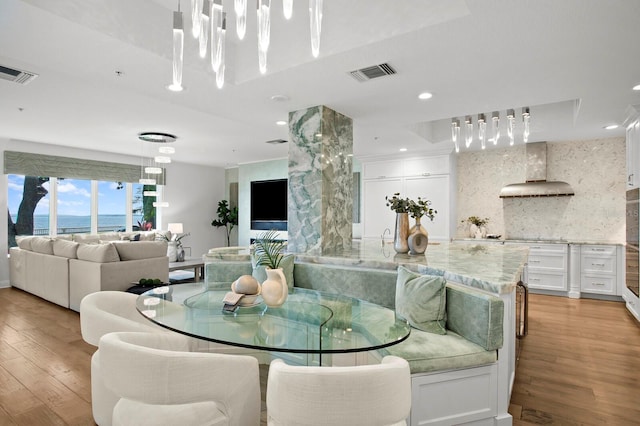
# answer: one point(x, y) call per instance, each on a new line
point(276, 141)
point(368, 73)
point(17, 76)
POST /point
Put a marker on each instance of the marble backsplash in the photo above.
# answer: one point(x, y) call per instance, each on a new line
point(596, 169)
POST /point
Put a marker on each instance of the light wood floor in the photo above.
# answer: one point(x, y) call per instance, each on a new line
point(579, 365)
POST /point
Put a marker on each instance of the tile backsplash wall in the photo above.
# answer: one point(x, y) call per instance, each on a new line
point(594, 168)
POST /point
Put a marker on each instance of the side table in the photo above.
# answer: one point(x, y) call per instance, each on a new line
point(197, 264)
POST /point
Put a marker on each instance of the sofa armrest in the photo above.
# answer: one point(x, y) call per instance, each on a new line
point(475, 315)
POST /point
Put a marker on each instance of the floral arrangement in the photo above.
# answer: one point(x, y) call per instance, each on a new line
point(417, 209)
point(475, 220)
point(176, 238)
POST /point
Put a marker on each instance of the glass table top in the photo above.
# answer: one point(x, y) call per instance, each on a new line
point(308, 322)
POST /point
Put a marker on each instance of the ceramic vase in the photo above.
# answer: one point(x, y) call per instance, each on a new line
point(180, 254)
point(473, 230)
point(401, 236)
point(418, 238)
point(172, 251)
point(274, 288)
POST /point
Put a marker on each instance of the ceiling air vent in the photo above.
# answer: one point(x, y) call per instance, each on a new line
point(17, 76)
point(276, 141)
point(368, 73)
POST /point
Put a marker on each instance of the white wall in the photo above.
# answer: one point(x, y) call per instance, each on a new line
point(193, 193)
point(596, 169)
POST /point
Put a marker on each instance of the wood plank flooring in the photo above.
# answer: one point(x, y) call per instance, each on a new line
point(579, 365)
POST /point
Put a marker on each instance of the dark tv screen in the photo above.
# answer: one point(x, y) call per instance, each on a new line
point(269, 204)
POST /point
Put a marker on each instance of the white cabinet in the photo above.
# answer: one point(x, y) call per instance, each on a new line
point(547, 267)
point(633, 155)
point(425, 177)
point(599, 269)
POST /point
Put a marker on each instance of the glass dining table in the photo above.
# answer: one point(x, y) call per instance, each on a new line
point(309, 322)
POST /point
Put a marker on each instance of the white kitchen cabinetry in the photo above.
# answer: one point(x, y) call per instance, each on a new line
point(425, 177)
point(599, 269)
point(546, 267)
point(633, 155)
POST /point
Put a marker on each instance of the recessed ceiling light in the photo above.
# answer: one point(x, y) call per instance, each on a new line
point(279, 98)
point(425, 95)
point(611, 127)
point(403, 149)
point(636, 87)
point(281, 123)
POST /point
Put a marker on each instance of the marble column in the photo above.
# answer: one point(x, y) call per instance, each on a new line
point(320, 181)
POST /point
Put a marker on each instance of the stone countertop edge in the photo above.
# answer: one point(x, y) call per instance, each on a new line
point(527, 241)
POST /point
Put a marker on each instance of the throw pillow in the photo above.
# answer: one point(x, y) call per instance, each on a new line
point(24, 242)
point(260, 271)
point(421, 299)
point(42, 245)
point(99, 253)
point(65, 248)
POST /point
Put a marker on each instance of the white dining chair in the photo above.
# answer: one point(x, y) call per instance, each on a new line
point(367, 395)
point(101, 313)
point(160, 383)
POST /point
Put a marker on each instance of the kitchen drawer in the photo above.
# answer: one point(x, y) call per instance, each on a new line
point(601, 250)
point(545, 280)
point(599, 264)
point(598, 284)
point(548, 261)
point(537, 247)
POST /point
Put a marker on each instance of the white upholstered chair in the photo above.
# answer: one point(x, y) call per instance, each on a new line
point(366, 395)
point(100, 313)
point(160, 383)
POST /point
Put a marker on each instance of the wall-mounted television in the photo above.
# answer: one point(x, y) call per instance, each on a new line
point(269, 205)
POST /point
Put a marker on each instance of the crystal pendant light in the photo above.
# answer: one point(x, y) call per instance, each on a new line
point(495, 126)
point(205, 27)
point(526, 118)
point(216, 23)
point(150, 193)
point(455, 133)
point(511, 121)
point(468, 134)
point(167, 150)
point(178, 51)
point(240, 7)
point(222, 35)
point(196, 11)
point(315, 14)
point(287, 8)
point(482, 130)
point(163, 159)
point(264, 32)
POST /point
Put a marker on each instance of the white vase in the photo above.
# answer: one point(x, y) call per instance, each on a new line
point(473, 230)
point(172, 251)
point(274, 288)
point(418, 238)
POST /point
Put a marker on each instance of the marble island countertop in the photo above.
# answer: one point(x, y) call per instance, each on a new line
point(492, 267)
point(540, 241)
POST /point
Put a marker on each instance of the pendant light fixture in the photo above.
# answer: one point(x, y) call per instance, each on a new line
point(240, 7)
point(264, 32)
point(482, 130)
point(205, 27)
point(468, 134)
point(196, 11)
point(495, 126)
point(511, 121)
point(455, 133)
point(315, 15)
point(178, 51)
point(287, 9)
point(222, 35)
point(526, 118)
point(216, 24)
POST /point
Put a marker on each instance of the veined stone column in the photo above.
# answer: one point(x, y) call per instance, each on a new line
point(320, 180)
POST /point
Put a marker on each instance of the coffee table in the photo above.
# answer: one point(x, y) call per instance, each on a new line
point(309, 322)
point(189, 263)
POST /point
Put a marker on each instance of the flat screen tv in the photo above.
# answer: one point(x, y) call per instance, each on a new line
point(269, 205)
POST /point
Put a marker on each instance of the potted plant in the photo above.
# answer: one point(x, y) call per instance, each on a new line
point(401, 207)
point(477, 227)
point(269, 253)
point(418, 236)
point(227, 217)
point(175, 242)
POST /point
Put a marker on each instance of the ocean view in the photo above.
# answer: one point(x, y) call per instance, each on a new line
point(69, 224)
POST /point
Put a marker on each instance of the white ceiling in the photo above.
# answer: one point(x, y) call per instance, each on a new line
point(573, 62)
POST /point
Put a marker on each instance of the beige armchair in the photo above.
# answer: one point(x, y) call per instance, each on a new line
point(368, 395)
point(160, 383)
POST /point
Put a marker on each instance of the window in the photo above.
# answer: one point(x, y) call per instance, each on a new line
point(28, 201)
point(112, 206)
point(74, 206)
point(144, 214)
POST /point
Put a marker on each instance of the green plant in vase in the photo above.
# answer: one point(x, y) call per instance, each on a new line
point(269, 251)
point(477, 226)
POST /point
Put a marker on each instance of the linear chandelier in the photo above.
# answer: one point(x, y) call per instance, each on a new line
point(152, 169)
point(209, 27)
point(481, 123)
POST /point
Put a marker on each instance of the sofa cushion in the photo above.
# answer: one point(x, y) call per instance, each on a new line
point(147, 235)
point(65, 248)
point(24, 242)
point(42, 245)
point(260, 271)
point(87, 238)
point(426, 352)
point(141, 250)
point(99, 253)
point(109, 236)
point(421, 300)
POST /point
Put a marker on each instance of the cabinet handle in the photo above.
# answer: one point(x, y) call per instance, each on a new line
point(426, 174)
point(534, 261)
point(597, 249)
point(535, 247)
point(534, 279)
point(381, 177)
point(597, 264)
point(599, 284)
point(630, 179)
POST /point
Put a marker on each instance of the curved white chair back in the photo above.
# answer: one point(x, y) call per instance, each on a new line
point(366, 395)
point(161, 383)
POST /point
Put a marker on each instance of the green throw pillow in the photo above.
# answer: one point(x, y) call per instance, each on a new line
point(421, 300)
point(260, 273)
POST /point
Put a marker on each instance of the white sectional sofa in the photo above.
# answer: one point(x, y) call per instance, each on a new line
point(64, 269)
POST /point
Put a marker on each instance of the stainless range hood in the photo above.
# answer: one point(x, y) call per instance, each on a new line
point(536, 184)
